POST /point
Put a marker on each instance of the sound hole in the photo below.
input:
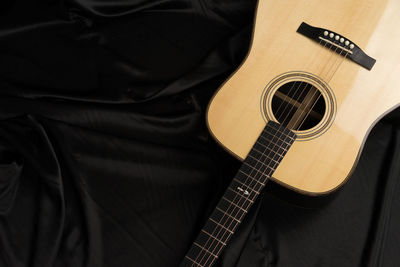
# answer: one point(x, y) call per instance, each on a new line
point(298, 105)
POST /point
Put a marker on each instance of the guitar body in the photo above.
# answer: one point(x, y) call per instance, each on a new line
point(355, 98)
point(318, 76)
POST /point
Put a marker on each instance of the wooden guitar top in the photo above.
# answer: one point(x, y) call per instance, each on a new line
point(355, 97)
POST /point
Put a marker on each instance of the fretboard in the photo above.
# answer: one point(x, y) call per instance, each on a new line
point(259, 165)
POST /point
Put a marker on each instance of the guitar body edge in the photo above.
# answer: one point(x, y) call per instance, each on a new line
point(321, 163)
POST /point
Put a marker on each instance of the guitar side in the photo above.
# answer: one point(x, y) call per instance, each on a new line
point(321, 164)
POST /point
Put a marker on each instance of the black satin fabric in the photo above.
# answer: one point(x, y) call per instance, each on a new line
point(105, 158)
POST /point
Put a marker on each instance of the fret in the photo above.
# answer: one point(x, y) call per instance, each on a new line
point(274, 146)
point(274, 142)
point(241, 184)
point(266, 157)
point(217, 231)
point(247, 176)
point(236, 205)
point(192, 261)
point(263, 174)
point(240, 194)
point(204, 237)
point(274, 139)
point(270, 129)
point(246, 172)
point(274, 131)
point(223, 218)
point(238, 199)
point(220, 225)
point(231, 209)
point(244, 176)
point(206, 250)
point(270, 155)
point(276, 151)
point(259, 165)
point(260, 169)
point(213, 237)
point(230, 216)
point(202, 255)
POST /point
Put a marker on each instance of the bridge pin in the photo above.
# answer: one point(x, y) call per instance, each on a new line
point(331, 35)
point(347, 43)
point(326, 33)
point(351, 46)
point(337, 37)
point(342, 40)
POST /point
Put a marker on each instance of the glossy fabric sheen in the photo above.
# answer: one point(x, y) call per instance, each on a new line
point(105, 158)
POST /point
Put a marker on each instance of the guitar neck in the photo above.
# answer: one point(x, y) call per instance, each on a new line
point(257, 168)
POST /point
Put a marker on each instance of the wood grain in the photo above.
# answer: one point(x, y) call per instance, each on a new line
point(322, 164)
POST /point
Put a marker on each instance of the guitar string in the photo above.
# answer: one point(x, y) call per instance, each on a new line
point(304, 89)
point(338, 66)
point(328, 79)
point(234, 209)
point(246, 199)
point(248, 206)
point(289, 104)
point(297, 119)
point(330, 68)
point(337, 57)
point(264, 175)
point(293, 85)
point(333, 74)
point(233, 201)
point(307, 85)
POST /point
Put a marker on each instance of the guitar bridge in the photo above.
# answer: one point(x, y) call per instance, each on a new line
point(346, 47)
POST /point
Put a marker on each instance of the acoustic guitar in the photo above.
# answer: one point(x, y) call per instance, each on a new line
point(318, 76)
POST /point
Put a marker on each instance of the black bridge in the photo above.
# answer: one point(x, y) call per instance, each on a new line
point(347, 47)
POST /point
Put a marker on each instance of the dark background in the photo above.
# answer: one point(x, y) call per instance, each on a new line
point(105, 159)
